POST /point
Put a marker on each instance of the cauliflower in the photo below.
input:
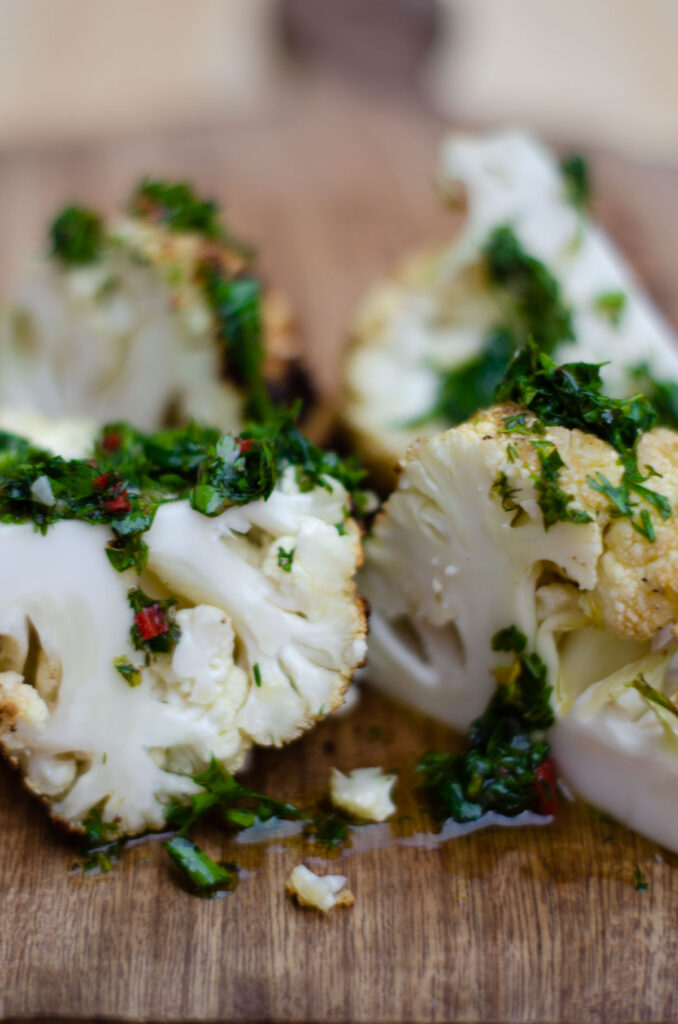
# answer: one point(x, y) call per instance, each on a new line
point(160, 621)
point(364, 792)
point(153, 317)
point(429, 345)
point(513, 527)
point(68, 436)
point(320, 892)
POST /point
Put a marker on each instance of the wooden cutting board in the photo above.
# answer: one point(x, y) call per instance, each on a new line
point(538, 924)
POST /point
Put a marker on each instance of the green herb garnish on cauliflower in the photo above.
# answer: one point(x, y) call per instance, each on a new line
point(141, 594)
point(467, 545)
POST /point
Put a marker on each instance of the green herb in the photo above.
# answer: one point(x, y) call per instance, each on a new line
point(511, 452)
point(537, 308)
point(611, 305)
point(575, 171)
point(516, 424)
point(643, 525)
point(509, 639)
point(653, 695)
point(131, 474)
point(505, 767)
point(285, 559)
point(553, 501)
point(101, 845)
point(571, 396)
point(236, 304)
point(639, 880)
point(465, 389)
point(506, 495)
point(328, 829)
point(76, 236)
point(177, 205)
point(155, 629)
point(663, 394)
point(238, 805)
point(129, 673)
point(533, 307)
point(257, 674)
point(203, 874)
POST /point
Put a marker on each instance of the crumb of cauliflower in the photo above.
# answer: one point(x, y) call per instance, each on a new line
point(364, 792)
point(319, 892)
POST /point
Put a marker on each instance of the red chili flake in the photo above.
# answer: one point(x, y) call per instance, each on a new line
point(245, 443)
point(111, 442)
point(545, 788)
point(100, 481)
point(120, 503)
point(152, 621)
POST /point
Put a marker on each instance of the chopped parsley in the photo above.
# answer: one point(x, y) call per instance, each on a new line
point(571, 396)
point(639, 879)
point(176, 205)
point(553, 500)
point(575, 171)
point(611, 305)
point(237, 804)
point(129, 673)
point(506, 495)
point(76, 236)
point(131, 474)
point(101, 846)
point(285, 559)
point(663, 394)
point(505, 767)
point(257, 674)
point(203, 875)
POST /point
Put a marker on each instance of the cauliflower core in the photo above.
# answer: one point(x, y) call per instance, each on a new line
point(320, 892)
point(436, 313)
point(364, 792)
point(461, 551)
point(263, 652)
point(132, 334)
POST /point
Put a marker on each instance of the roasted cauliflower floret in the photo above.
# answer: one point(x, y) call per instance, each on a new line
point(428, 345)
point(169, 614)
point(520, 524)
point(154, 316)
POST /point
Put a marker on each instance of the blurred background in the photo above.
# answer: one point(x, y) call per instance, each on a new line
point(317, 121)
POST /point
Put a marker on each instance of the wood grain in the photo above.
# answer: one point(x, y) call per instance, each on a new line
point(540, 924)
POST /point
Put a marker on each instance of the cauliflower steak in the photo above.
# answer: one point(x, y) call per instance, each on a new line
point(176, 597)
point(522, 520)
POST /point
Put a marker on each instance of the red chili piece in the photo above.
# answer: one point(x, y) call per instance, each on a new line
point(120, 503)
point(245, 443)
point(100, 481)
point(545, 788)
point(152, 621)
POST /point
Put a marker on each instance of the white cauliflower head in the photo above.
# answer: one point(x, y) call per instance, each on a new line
point(425, 353)
point(153, 318)
point(461, 551)
point(111, 697)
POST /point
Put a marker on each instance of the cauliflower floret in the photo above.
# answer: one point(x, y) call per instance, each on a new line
point(436, 313)
point(364, 792)
point(461, 551)
point(133, 334)
point(320, 892)
point(261, 654)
